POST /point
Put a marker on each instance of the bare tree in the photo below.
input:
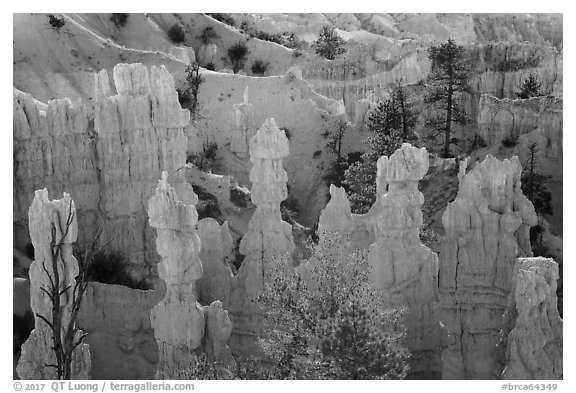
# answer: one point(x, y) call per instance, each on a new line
point(66, 298)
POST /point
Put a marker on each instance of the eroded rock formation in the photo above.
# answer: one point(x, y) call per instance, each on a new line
point(245, 127)
point(337, 215)
point(267, 237)
point(139, 134)
point(498, 119)
point(217, 244)
point(110, 163)
point(121, 338)
point(180, 323)
point(178, 320)
point(487, 228)
point(534, 345)
point(53, 229)
point(401, 266)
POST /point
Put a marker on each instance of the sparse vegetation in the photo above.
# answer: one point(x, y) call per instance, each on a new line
point(329, 44)
point(259, 67)
point(224, 18)
point(112, 267)
point(238, 54)
point(510, 141)
point(177, 33)
point(287, 39)
point(57, 23)
point(208, 36)
point(204, 160)
point(239, 196)
point(119, 20)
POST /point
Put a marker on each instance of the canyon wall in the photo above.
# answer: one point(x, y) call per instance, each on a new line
point(501, 118)
point(110, 163)
point(487, 228)
point(121, 338)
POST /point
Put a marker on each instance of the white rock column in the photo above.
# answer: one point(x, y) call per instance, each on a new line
point(401, 266)
point(178, 320)
point(267, 237)
point(51, 221)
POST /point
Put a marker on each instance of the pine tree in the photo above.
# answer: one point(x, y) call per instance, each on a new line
point(329, 44)
point(449, 76)
point(534, 184)
point(337, 170)
point(530, 87)
point(391, 123)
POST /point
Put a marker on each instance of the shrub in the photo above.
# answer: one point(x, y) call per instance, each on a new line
point(119, 20)
point(177, 33)
point(204, 160)
point(209, 209)
point(208, 35)
point(210, 66)
point(56, 22)
point(239, 196)
point(111, 267)
point(510, 141)
point(224, 18)
point(259, 67)
point(237, 54)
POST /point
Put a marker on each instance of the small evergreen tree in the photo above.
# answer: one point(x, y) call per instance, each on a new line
point(449, 76)
point(329, 44)
point(530, 87)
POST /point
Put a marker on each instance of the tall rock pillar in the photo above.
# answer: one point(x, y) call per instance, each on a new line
point(487, 228)
point(401, 266)
point(182, 327)
point(178, 320)
point(267, 237)
point(51, 223)
point(245, 127)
